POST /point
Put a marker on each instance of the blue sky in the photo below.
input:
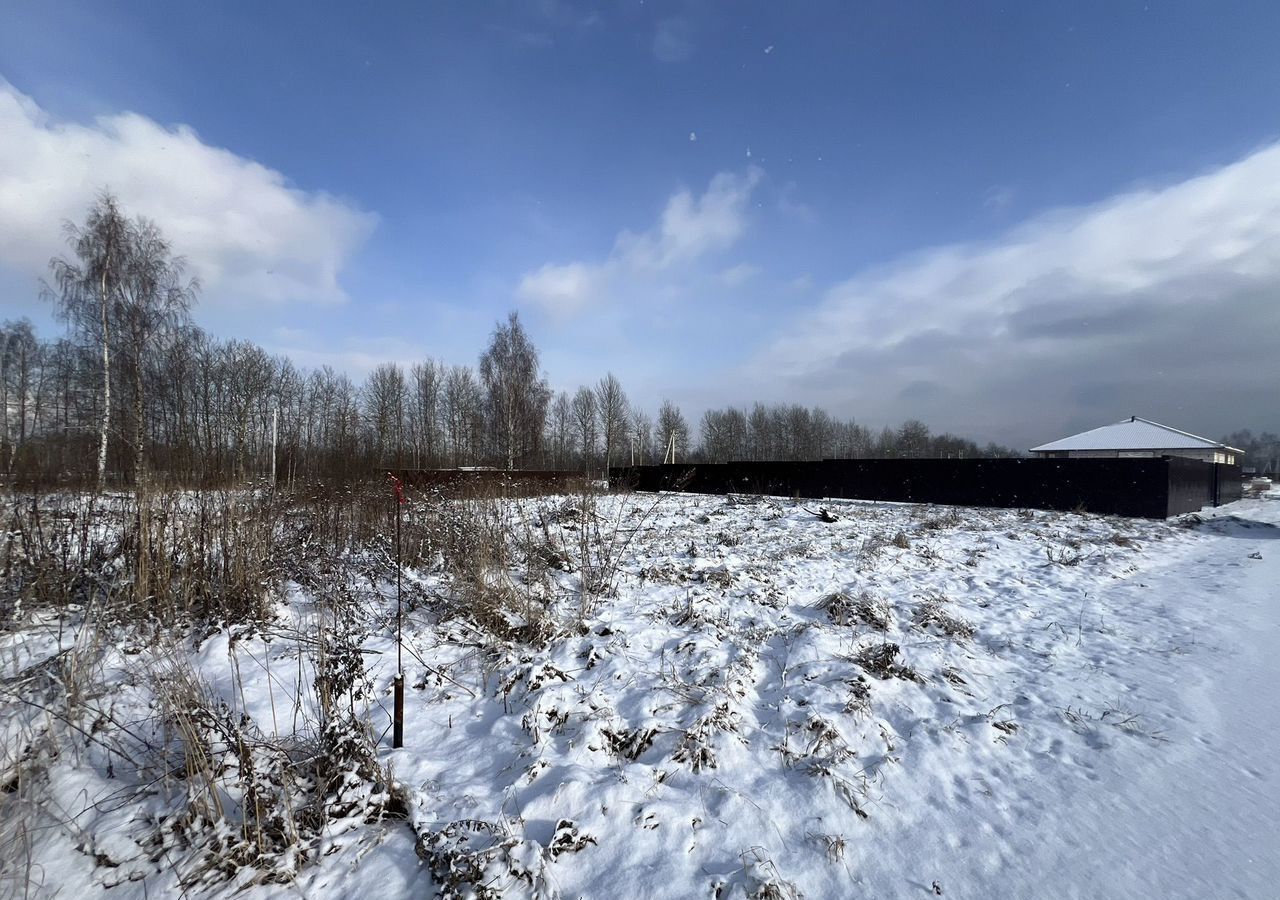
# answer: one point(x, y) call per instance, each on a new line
point(990, 216)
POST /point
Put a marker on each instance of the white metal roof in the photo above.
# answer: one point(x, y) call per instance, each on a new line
point(1134, 433)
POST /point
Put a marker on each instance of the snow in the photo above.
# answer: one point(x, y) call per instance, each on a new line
point(1080, 706)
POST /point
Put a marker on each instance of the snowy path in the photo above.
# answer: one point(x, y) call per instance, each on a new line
point(1195, 814)
point(1202, 817)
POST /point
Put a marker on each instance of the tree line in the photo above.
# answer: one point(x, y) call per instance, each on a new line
point(136, 390)
point(794, 432)
point(1261, 451)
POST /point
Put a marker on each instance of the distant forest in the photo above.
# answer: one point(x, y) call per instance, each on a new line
point(136, 390)
point(1261, 451)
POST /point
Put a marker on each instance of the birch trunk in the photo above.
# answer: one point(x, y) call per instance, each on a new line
point(6, 439)
point(139, 426)
point(106, 384)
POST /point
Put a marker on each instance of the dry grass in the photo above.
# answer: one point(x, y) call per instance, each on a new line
point(881, 660)
point(130, 584)
point(133, 582)
point(864, 609)
point(932, 615)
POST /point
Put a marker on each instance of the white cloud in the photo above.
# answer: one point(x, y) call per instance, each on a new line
point(356, 356)
point(690, 227)
point(560, 289)
point(248, 234)
point(1146, 298)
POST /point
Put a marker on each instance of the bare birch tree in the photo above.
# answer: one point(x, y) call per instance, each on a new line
point(88, 287)
point(20, 376)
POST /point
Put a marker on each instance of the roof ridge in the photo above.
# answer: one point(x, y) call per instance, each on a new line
point(1189, 434)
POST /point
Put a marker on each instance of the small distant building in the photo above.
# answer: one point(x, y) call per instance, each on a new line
point(1136, 438)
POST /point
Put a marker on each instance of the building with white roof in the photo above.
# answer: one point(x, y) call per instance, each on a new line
point(1137, 438)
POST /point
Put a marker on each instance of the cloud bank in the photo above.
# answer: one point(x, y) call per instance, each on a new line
point(1162, 302)
point(246, 232)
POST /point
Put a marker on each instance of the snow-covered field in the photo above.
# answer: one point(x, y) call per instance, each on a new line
point(752, 701)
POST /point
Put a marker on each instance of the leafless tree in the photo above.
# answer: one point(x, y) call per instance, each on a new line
point(21, 379)
point(761, 434)
point(821, 433)
point(463, 405)
point(516, 395)
point(248, 379)
point(672, 428)
point(913, 438)
point(586, 421)
point(123, 291)
point(640, 436)
point(561, 431)
point(612, 404)
point(724, 434)
point(384, 409)
point(87, 289)
point(428, 385)
point(155, 297)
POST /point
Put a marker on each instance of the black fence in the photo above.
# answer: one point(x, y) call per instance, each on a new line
point(503, 482)
point(1146, 488)
point(1193, 484)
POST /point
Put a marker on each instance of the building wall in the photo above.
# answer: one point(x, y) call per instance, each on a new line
point(1212, 456)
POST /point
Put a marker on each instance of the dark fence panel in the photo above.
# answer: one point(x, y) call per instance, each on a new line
point(1193, 485)
point(1230, 483)
point(1189, 489)
point(508, 482)
point(1146, 488)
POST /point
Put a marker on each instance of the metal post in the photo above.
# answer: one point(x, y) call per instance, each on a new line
point(397, 727)
point(397, 730)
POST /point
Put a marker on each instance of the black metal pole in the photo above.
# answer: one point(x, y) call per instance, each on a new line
point(397, 731)
point(399, 605)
